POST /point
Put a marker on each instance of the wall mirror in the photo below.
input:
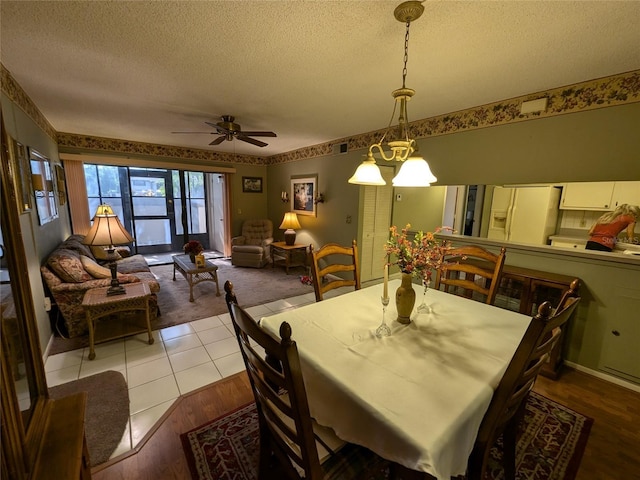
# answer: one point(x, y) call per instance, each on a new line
point(501, 212)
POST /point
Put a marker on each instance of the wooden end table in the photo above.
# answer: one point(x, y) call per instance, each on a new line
point(194, 275)
point(97, 305)
point(286, 253)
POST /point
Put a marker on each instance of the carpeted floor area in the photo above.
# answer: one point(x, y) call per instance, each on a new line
point(107, 411)
point(253, 286)
point(551, 445)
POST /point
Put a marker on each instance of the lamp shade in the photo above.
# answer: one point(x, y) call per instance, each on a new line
point(104, 209)
point(415, 172)
point(290, 221)
point(367, 173)
point(37, 182)
point(107, 229)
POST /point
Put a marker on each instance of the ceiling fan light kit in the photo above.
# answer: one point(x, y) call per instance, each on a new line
point(228, 130)
point(415, 171)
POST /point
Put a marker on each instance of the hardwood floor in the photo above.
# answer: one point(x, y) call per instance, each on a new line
point(611, 452)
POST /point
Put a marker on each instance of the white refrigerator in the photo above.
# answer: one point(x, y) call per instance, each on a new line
point(524, 214)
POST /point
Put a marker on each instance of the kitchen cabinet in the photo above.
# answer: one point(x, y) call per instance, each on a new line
point(620, 354)
point(599, 195)
point(587, 196)
point(578, 244)
point(625, 192)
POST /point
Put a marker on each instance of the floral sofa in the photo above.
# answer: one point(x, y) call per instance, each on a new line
point(72, 269)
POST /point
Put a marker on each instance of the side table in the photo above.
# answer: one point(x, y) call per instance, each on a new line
point(97, 305)
point(280, 251)
point(194, 275)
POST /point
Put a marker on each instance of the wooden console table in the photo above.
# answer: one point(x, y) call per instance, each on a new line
point(282, 252)
point(97, 305)
point(194, 275)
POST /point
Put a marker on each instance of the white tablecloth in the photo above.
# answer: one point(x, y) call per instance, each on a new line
point(416, 397)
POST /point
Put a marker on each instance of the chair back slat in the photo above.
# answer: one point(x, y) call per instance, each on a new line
point(286, 429)
point(471, 269)
point(334, 259)
point(507, 404)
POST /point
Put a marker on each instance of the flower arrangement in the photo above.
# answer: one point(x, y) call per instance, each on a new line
point(419, 256)
point(193, 247)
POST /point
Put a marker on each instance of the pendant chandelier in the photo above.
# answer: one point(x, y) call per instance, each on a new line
point(415, 171)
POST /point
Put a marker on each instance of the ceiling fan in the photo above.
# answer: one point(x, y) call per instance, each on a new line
point(228, 130)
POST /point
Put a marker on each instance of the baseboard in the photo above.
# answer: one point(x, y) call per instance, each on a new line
point(604, 376)
point(45, 354)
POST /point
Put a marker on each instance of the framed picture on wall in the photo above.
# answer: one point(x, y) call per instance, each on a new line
point(303, 191)
point(252, 184)
point(21, 173)
point(62, 189)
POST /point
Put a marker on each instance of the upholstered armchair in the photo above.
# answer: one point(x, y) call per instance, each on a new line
point(253, 247)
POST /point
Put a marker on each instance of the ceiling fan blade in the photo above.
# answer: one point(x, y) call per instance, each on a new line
point(251, 140)
point(259, 134)
point(219, 128)
point(195, 132)
point(218, 140)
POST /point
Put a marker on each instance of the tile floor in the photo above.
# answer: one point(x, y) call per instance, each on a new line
point(183, 358)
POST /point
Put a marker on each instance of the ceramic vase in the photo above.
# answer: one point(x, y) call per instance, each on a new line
point(405, 299)
point(192, 256)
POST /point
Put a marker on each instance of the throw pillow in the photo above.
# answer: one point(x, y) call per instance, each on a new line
point(95, 270)
point(67, 265)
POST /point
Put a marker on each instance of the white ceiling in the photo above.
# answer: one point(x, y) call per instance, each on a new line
point(311, 71)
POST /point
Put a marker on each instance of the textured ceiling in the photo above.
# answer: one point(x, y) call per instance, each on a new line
point(311, 71)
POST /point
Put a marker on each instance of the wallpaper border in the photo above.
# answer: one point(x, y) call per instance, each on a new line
point(589, 95)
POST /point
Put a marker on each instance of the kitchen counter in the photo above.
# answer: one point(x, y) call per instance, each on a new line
point(577, 239)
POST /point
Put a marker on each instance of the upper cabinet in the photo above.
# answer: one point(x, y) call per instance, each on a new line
point(599, 195)
point(625, 192)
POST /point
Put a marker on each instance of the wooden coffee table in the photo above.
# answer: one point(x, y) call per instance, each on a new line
point(97, 305)
point(194, 275)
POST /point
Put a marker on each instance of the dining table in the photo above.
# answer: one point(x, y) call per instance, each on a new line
point(416, 397)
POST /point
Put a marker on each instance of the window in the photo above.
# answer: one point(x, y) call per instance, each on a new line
point(103, 186)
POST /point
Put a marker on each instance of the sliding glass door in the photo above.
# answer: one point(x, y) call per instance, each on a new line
point(152, 209)
point(157, 206)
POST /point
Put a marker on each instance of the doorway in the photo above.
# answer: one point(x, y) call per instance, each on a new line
point(152, 210)
point(376, 219)
point(157, 206)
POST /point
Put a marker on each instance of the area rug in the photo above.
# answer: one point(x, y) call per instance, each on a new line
point(550, 446)
point(253, 286)
point(107, 411)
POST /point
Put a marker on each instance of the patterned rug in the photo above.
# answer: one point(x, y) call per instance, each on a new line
point(550, 447)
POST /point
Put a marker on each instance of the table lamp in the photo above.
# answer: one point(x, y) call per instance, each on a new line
point(107, 231)
point(290, 223)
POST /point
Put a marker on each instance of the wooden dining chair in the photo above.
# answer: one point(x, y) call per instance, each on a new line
point(336, 259)
point(507, 406)
point(292, 445)
point(471, 269)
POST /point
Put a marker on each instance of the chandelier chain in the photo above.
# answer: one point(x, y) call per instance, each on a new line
point(406, 55)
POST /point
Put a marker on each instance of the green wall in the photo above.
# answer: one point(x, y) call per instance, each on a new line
point(39, 241)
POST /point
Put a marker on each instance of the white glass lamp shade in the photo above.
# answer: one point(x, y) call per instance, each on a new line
point(415, 172)
point(368, 173)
